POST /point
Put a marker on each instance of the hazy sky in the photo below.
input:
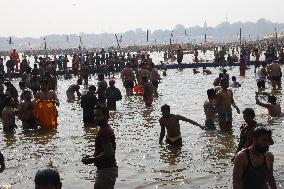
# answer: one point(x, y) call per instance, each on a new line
point(41, 17)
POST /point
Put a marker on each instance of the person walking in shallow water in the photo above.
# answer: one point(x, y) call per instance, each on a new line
point(104, 156)
point(170, 122)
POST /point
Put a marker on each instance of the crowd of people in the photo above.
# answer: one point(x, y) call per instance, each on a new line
point(253, 163)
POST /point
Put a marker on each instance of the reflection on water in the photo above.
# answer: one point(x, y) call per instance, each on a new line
point(204, 161)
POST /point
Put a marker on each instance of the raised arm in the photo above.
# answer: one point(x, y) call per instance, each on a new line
point(234, 104)
point(179, 117)
point(260, 103)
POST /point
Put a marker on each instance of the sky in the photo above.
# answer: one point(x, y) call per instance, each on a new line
point(35, 18)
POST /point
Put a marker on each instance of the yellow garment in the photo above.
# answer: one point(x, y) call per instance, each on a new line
point(173, 139)
point(46, 114)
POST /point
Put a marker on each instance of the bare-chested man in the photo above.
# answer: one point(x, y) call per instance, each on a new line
point(148, 91)
point(72, 89)
point(141, 73)
point(26, 110)
point(128, 79)
point(46, 94)
point(275, 74)
point(8, 115)
point(154, 78)
point(224, 101)
point(171, 123)
point(274, 109)
point(35, 82)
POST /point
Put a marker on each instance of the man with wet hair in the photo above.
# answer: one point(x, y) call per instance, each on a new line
point(8, 115)
point(247, 129)
point(128, 79)
point(224, 103)
point(274, 109)
point(210, 109)
point(46, 93)
point(170, 122)
point(105, 147)
point(72, 89)
point(253, 166)
point(89, 102)
point(47, 179)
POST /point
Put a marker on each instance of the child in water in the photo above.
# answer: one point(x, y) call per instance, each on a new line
point(210, 109)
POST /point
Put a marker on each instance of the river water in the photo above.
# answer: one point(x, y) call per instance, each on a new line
point(203, 161)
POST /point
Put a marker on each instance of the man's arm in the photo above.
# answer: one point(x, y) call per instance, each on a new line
point(260, 103)
point(234, 104)
point(106, 154)
point(162, 134)
point(271, 179)
point(238, 170)
point(179, 117)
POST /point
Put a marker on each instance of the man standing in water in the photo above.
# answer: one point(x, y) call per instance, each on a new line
point(224, 101)
point(113, 94)
point(253, 167)
point(128, 79)
point(275, 74)
point(104, 157)
point(274, 109)
point(148, 91)
point(46, 94)
point(26, 111)
point(171, 123)
point(8, 116)
point(88, 103)
point(210, 109)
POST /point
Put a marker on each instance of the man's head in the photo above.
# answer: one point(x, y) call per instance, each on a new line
point(224, 83)
point(166, 110)
point(22, 85)
point(262, 139)
point(79, 81)
point(248, 115)
point(111, 83)
point(101, 115)
point(145, 79)
point(27, 94)
point(47, 179)
point(272, 99)
point(101, 77)
point(211, 93)
point(92, 88)
point(44, 86)
point(221, 75)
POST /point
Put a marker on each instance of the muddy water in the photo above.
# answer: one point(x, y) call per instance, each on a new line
point(203, 161)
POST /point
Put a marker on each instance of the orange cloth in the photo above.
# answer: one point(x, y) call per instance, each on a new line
point(46, 114)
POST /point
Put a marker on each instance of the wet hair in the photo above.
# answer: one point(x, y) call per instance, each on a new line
point(260, 131)
point(272, 99)
point(104, 110)
point(101, 76)
point(144, 78)
point(249, 111)
point(22, 84)
point(221, 75)
point(111, 82)
point(211, 92)
point(79, 81)
point(165, 107)
point(48, 177)
point(92, 87)
point(224, 71)
point(234, 78)
point(8, 100)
